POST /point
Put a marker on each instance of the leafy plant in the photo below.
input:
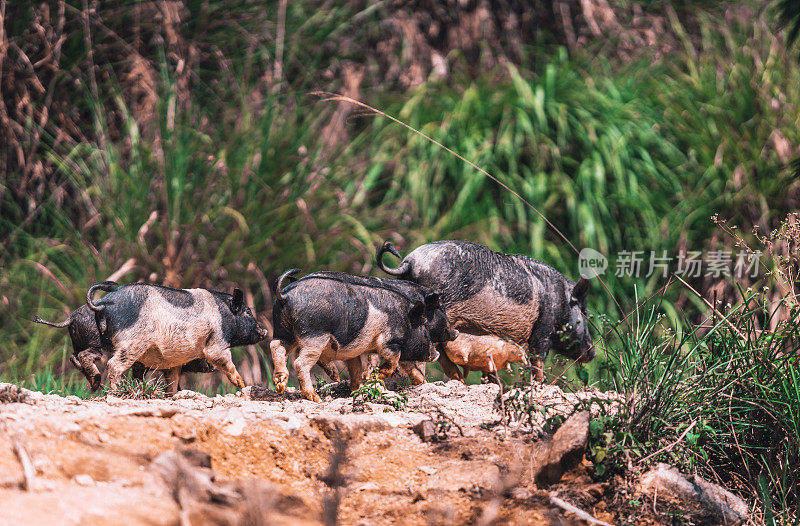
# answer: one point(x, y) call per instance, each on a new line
point(148, 388)
point(374, 390)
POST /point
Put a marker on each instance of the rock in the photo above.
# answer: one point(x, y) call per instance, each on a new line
point(703, 501)
point(426, 430)
point(186, 394)
point(70, 428)
point(114, 400)
point(83, 479)
point(259, 393)
point(428, 470)
point(288, 422)
point(235, 428)
point(565, 450)
point(74, 399)
point(185, 435)
point(187, 477)
point(464, 475)
point(168, 412)
point(10, 393)
point(349, 425)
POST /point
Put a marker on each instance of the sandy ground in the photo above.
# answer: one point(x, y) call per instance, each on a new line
point(94, 461)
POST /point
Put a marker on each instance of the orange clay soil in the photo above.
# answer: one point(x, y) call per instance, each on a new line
point(93, 462)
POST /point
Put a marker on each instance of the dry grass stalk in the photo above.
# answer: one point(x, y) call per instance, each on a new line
point(28, 470)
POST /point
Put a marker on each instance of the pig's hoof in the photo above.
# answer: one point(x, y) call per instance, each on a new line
point(281, 381)
point(314, 397)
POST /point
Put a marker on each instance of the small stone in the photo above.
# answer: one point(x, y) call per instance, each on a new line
point(565, 450)
point(463, 475)
point(350, 424)
point(74, 399)
point(236, 428)
point(70, 428)
point(114, 400)
point(426, 430)
point(703, 501)
point(186, 394)
point(289, 423)
point(83, 479)
point(428, 470)
point(186, 435)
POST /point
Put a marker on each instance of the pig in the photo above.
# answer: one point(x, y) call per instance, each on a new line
point(485, 353)
point(336, 316)
point(165, 328)
point(438, 325)
point(511, 296)
point(87, 347)
point(86, 344)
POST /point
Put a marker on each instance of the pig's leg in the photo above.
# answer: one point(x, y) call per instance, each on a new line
point(173, 377)
point(538, 352)
point(221, 359)
point(137, 371)
point(309, 354)
point(415, 371)
point(280, 373)
point(391, 353)
point(537, 362)
point(356, 372)
point(450, 369)
point(122, 361)
point(331, 371)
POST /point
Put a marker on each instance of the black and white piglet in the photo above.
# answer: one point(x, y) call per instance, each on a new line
point(165, 328)
point(335, 316)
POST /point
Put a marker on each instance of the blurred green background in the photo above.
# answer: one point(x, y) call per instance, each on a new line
point(182, 143)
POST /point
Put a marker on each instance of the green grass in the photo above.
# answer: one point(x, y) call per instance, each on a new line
point(723, 401)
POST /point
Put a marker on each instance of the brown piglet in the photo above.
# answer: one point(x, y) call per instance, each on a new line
point(485, 353)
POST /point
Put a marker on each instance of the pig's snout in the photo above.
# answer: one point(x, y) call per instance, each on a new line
point(94, 382)
point(434, 354)
point(588, 355)
point(85, 363)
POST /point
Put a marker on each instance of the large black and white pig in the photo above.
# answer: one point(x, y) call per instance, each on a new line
point(335, 316)
point(165, 328)
point(87, 347)
point(511, 296)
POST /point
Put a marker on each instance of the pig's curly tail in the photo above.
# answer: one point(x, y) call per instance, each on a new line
point(279, 285)
point(388, 247)
point(107, 286)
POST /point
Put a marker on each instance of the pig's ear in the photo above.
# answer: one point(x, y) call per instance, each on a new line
point(432, 300)
point(581, 289)
point(417, 312)
point(237, 301)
